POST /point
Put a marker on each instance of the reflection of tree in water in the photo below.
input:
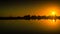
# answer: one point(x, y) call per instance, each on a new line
point(28, 17)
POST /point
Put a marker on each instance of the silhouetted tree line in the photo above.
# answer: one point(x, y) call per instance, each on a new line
point(28, 17)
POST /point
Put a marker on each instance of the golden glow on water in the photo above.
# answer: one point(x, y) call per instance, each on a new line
point(48, 25)
point(50, 10)
point(53, 20)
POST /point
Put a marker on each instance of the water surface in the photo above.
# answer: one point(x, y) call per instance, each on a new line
point(30, 25)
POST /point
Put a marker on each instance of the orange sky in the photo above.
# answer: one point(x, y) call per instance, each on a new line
point(30, 8)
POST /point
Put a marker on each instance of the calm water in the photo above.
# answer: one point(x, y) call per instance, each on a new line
point(30, 25)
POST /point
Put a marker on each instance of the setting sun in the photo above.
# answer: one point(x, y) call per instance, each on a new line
point(53, 13)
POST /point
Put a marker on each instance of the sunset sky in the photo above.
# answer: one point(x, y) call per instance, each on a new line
point(10, 8)
point(29, 7)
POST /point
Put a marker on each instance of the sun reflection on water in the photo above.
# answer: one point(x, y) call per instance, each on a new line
point(48, 25)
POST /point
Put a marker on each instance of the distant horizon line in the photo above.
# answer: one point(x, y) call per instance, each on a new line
point(28, 17)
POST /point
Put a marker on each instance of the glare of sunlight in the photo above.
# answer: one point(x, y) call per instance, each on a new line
point(53, 20)
point(53, 13)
